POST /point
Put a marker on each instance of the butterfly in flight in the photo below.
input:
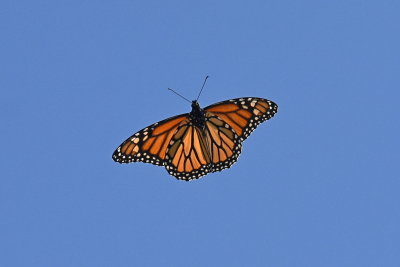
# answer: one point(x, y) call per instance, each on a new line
point(205, 140)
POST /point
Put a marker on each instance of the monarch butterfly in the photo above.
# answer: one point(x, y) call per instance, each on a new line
point(203, 141)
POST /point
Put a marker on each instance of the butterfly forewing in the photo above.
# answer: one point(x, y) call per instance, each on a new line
point(149, 144)
point(244, 114)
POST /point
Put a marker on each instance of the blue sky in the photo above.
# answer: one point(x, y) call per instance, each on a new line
point(317, 185)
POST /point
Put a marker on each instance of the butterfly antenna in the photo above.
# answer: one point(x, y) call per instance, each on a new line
point(202, 87)
point(180, 95)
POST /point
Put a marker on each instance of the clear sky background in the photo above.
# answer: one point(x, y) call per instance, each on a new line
point(317, 185)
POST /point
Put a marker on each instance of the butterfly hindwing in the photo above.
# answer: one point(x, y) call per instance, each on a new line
point(194, 152)
point(224, 144)
point(188, 156)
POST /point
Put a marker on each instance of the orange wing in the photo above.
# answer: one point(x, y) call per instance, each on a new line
point(244, 114)
point(149, 144)
point(224, 143)
point(188, 155)
point(194, 152)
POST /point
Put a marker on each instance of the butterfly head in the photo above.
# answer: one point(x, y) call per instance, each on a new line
point(195, 105)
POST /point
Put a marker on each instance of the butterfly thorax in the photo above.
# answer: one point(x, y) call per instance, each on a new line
point(197, 115)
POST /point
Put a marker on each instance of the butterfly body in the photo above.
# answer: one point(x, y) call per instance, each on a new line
point(203, 141)
point(197, 115)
